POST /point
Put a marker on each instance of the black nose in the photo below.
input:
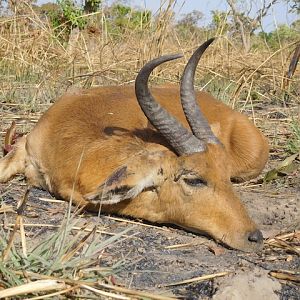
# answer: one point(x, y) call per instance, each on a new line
point(255, 236)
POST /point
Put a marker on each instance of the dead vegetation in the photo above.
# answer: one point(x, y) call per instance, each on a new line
point(37, 66)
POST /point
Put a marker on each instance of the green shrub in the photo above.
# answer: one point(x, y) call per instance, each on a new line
point(293, 145)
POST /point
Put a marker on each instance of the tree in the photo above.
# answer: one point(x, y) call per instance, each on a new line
point(245, 24)
point(219, 22)
point(283, 34)
point(191, 19)
point(121, 17)
point(294, 5)
point(189, 22)
point(91, 6)
point(18, 7)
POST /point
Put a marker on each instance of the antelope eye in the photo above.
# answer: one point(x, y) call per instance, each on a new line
point(196, 182)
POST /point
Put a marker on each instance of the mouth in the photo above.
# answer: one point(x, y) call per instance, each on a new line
point(245, 246)
point(249, 242)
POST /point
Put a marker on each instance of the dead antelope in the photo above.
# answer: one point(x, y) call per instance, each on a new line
point(152, 158)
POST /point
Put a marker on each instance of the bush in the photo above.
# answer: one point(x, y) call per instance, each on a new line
point(282, 35)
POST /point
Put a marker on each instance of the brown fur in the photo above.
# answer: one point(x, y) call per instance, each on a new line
point(97, 147)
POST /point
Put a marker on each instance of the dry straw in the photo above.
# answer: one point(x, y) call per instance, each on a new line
point(37, 66)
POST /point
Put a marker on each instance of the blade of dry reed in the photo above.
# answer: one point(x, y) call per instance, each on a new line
point(52, 200)
point(6, 251)
point(100, 284)
point(20, 208)
point(284, 236)
point(32, 287)
point(38, 276)
point(136, 222)
point(58, 226)
point(71, 253)
point(6, 208)
point(48, 296)
point(134, 292)
point(286, 275)
point(195, 279)
point(291, 248)
point(23, 237)
point(174, 247)
point(286, 241)
point(268, 58)
point(103, 293)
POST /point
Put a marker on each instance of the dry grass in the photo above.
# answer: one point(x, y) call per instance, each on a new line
point(36, 67)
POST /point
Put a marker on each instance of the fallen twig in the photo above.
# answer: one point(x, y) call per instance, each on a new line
point(135, 293)
point(195, 279)
point(33, 287)
point(286, 275)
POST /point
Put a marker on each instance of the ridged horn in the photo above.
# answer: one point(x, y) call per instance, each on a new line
point(197, 121)
point(182, 140)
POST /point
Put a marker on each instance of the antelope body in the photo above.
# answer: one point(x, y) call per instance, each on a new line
point(153, 158)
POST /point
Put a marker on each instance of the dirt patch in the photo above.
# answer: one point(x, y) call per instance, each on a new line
point(254, 285)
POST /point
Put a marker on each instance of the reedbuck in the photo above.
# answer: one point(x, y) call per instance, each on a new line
point(145, 155)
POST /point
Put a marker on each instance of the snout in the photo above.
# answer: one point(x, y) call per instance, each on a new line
point(250, 242)
point(255, 237)
point(254, 241)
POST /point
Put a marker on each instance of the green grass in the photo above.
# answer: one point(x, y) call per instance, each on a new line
point(62, 255)
point(293, 144)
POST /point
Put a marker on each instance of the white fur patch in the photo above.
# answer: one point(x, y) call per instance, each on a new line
point(116, 195)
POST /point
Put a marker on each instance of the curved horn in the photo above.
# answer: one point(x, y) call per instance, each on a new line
point(178, 136)
point(194, 116)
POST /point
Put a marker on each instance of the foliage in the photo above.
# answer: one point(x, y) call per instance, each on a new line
point(47, 9)
point(121, 17)
point(282, 35)
point(294, 5)
point(188, 24)
point(286, 167)
point(70, 14)
point(62, 255)
point(293, 145)
point(64, 16)
point(91, 6)
point(219, 21)
point(191, 19)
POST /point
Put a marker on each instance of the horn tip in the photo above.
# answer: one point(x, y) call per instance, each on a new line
point(209, 41)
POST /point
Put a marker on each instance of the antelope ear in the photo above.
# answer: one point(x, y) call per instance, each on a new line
point(129, 181)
